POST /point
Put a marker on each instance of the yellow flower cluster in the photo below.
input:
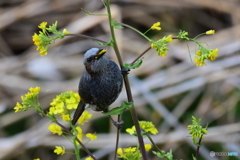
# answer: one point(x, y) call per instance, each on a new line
point(63, 103)
point(145, 125)
point(28, 100)
point(43, 40)
point(80, 135)
point(161, 45)
point(195, 129)
point(156, 26)
point(131, 153)
point(203, 54)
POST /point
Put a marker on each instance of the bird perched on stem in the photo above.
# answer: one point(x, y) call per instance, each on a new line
point(100, 84)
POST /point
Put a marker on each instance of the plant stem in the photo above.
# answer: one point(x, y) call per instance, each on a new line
point(117, 139)
point(70, 133)
point(132, 28)
point(150, 138)
point(145, 51)
point(88, 37)
point(127, 84)
point(198, 147)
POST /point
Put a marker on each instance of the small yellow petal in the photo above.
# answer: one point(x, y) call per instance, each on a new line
point(147, 147)
point(89, 158)
point(210, 32)
point(65, 31)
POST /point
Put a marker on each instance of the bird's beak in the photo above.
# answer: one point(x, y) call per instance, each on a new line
point(100, 53)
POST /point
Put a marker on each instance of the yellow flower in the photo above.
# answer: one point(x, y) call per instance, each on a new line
point(43, 52)
point(65, 31)
point(120, 152)
point(91, 136)
point(147, 147)
point(63, 103)
point(84, 117)
point(130, 149)
point(210, 32)
point(169, 38)
point(145, 125)
point(19, 107)
point(129, 153)
point(36, 159)
point(42, 25)
point(79, 134)
point(89, 158)
point(55, 129)
point(131, 130)
point(199, 61)
point(35, 90)
point(213, 54)
point(155, 26)
point(36, 39)
point(199, 53)
point(66, 117)
point(59, 150)
point(162, 53)
point(204, 131)
point(148, 127)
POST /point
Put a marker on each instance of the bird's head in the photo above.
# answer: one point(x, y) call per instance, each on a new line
point(95, 61)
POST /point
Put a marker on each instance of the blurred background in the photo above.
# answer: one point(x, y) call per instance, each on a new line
point(167, 91)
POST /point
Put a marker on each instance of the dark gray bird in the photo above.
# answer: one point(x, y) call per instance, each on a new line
point(100, 84)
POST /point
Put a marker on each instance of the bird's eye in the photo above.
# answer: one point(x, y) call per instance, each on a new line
point(89, 59)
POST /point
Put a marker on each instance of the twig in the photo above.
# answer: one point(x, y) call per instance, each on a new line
point(198, 147)
point(127, 84)
point(140, 55)
point(70, 133)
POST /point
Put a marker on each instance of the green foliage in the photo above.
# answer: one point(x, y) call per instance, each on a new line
point(116, 25)
point(119, 110)
point(134, 65)
point(163, 154)
point(110, 43)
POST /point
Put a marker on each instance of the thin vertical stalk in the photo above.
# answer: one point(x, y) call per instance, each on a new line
point(127, 84)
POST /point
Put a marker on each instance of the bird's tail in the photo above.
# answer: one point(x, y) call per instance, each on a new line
point(78, 112)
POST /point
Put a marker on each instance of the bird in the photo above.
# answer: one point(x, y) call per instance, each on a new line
point(100, 83)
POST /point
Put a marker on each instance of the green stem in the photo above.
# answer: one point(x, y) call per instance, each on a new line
point(199, 35)
point(132, 28)
point(76, 148)
point(150, 138)
point(147, 31)
point(127, 84)
point(85, 36)
point(70, 133)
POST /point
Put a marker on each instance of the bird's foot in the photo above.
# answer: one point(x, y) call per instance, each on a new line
point(125, 71)
point(118, 124)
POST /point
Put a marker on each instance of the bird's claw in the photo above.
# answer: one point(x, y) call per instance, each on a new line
point(125, 71)
point(118, 124)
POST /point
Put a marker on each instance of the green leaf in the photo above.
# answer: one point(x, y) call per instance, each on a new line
point(110, 43)
point(116, 25)
point(162, 154)
point(194, 158)
point(134, 65)
point(119, 110)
